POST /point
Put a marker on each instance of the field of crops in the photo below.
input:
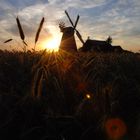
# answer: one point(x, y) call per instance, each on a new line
point(65, 96)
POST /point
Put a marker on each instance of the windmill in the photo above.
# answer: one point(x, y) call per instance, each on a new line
point(68, 42)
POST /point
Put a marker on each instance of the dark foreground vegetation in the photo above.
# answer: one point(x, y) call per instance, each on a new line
point(61, 96)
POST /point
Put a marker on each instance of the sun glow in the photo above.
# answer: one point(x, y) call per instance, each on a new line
point(51, 44)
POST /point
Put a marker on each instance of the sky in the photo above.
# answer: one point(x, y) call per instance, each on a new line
point(99, 19)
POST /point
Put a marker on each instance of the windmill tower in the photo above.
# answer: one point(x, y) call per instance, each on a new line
point(68, 42)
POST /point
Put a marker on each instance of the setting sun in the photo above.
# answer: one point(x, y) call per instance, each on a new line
point(52, 44)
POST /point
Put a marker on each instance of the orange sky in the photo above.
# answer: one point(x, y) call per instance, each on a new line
point(98, 19)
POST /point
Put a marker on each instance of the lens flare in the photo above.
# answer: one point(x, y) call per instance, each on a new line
point(115, 128)
point(88, 96)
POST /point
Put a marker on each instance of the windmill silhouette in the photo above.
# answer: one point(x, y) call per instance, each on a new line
point(68, 42)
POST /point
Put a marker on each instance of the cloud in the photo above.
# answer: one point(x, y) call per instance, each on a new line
point(77, 3)
point(114, 20)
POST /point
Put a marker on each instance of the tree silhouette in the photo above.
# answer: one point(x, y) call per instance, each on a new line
point(109, 40)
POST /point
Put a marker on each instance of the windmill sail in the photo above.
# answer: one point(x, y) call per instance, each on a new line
point(76, 21)
point(69, 18)
point(74, 26)
point(79, 36)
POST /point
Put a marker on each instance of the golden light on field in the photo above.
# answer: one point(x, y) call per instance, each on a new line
point(51, 44)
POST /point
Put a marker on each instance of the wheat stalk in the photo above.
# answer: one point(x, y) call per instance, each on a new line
point(20, 29)
point(38, 31)
point(22, 36)
point(8, 40)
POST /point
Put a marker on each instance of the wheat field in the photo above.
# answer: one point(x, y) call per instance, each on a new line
point(59, 95)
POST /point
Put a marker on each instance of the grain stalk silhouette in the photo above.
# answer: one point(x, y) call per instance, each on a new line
point(38, 32)
point(8, 40)
point(22, 36)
